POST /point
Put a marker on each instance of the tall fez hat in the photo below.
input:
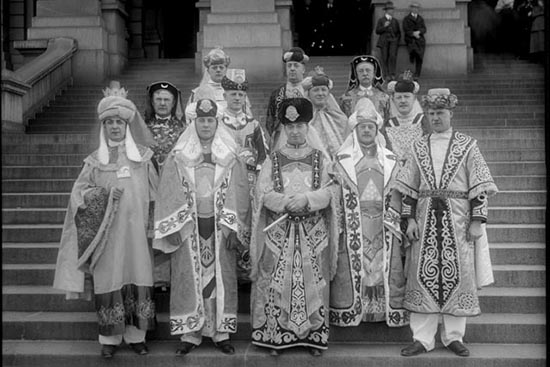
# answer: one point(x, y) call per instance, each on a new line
point(206, 108)
point(162, 85)
point(235, 79)
point(295, 54)
point(293, 110)
point(404, 84)
point(388, 5)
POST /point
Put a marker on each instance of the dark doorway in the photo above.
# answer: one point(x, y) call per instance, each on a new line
point(333, 27)
point(170, 28)
point(180, 28)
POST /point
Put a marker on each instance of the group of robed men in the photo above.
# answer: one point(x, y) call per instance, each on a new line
point(339, 213)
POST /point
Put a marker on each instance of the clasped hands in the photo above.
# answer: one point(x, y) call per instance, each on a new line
point(416, 34)
point(474, 232)
point(296, 202)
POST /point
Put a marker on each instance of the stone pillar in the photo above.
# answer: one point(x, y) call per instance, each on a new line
point(448, 47)
point(250, 32)
point(136, 30)
point(114, 16)
point(82, 21)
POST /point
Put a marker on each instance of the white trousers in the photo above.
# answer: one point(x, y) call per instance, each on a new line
point(131, 335)
point(424, 328)
point(196, 337)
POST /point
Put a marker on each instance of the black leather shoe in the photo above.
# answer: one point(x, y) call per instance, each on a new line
point(108, 351)
point(185, 348)
point(413, 349)
point(226, 347)
point(459, 349)
point(314, 352)
point(139, 348)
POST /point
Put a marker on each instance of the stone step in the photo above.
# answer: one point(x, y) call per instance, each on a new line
point(46, 299)
point(43, 171)
point(504, 198)
point(505, 275)
point(37, 185)
point(529, 253)
point(505, 253)
point(506, 183)
point(497, 215)
point(537, 155)
point(493, 328)
point(516, 232)
point(517, 215)
point(162, 353)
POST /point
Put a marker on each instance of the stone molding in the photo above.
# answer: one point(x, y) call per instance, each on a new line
point(27, 90)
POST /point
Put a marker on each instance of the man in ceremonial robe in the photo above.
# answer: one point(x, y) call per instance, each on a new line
point(369, 283)
point(251, 142)
point(164, 118)
point(216, 64)
point(328, 119)
point(199, 220)
point(445, 187)
point(409, 123)
point(365, 81)
point(293, 259)
point(104, 236)
point(295, 60)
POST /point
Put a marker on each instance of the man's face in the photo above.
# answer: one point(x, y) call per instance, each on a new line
point(318, 95)
point(115, 128)
point(163, 102)
point(440, 119)
point(206, 127)
point(404, 102)
point(296, 133)
point(389, 11)
point(295, 71)
point(414, 9)
point(217, 72)
point(235, 99)
point(365, 73)
point(366, 132)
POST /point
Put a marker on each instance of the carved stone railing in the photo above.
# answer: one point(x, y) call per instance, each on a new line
point(30, 88)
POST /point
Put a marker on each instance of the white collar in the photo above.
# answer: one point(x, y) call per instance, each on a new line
point(388, 17)
point(365, 88)
point(112, 143)
point(445, 135)
point(169, 117)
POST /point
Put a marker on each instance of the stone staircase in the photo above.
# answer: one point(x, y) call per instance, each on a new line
point(501, 104)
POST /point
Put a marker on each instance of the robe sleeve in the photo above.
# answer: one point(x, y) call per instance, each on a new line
point(408, 179)
point(260, 144)
point(173, 207)
point(237, 203)
point(153, 187)
point(320, 199)
point(479, 177)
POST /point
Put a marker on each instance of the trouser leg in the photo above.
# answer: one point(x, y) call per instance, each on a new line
point(110, 339)
point(418, 64)
point(452, 329)
point(424, 327)
point(392, 57)
point(220, 337)
point(384, 55)
point(133, 335)
point(193, 338)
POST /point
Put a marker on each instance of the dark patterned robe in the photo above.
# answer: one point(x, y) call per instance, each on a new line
point(166, 133)
point(293, 261)
point(443, 265)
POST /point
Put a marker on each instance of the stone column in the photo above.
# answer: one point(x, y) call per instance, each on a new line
point(448, 48)
point(136, 30)
point(250, 32)
point(82, 21)
point(114, 16)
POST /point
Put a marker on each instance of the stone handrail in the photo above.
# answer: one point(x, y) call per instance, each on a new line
point(28, 89)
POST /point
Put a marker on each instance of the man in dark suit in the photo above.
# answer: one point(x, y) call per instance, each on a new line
point(414, 29)
point(390, 34)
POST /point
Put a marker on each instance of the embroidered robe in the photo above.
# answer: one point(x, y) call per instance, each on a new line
point(293, 262)
point(200, 204)
point(443, 267)
point(380, 99)
point(249, 135)
point(118, 258)
point(400, 134)
point(369, 282)
point(166, 133)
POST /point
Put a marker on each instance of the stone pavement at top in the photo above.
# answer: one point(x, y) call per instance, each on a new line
point(501, 104)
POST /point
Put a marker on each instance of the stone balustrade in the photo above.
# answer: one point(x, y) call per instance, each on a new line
point(28, 89)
